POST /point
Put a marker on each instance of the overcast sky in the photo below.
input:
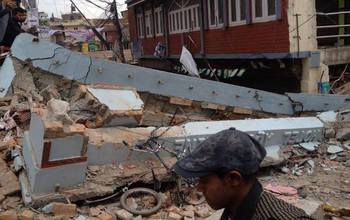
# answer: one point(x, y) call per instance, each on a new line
point(59, 7)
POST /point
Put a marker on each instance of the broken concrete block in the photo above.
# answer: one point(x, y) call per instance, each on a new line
point(124, 215)
point(8, 215)
point(62, 209)
point(26, 215)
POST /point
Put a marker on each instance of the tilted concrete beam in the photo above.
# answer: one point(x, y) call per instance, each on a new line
point(72, 65)
point(64, 162)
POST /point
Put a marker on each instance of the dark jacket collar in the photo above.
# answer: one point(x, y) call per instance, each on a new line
point(247, 209)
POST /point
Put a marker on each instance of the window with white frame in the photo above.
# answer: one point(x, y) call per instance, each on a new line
point(237, 11)
point(158, 21)
point(149, 23)
point(140, 25)
point(264, 10)
point(184, 19)
point(216, 13)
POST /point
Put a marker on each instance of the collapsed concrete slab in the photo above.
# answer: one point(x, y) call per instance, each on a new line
point(7, 74)
point(110, 105)
point(75, 66)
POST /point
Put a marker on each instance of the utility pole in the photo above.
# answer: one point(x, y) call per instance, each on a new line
point(120, 51)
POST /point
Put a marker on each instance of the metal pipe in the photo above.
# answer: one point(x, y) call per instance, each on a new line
point(333, 13)
point(333, 36)
point(333, 26)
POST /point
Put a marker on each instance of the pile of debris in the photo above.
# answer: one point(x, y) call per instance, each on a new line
point(100, 145)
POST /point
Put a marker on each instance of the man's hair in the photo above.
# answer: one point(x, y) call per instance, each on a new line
point(18, 10)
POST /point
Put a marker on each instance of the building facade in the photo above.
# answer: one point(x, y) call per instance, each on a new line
point(265, 44)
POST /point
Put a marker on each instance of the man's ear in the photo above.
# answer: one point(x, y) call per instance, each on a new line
point(233, 178)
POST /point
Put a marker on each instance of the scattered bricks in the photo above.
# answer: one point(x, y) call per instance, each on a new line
point(243, 111)
point(53, 128)
point(63, 209)
point(179, 101)
point(26, 215)
point(94, 212)
point(174, 216)
point(124, 215)
point(4, 145)
point(105, 216)
point(8, 215)
point(9, 183)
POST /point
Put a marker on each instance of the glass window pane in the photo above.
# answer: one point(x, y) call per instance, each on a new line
point(185, 18)
point(258, 8)
point(221, 11)
point(233, 10)
point(212, 11)
point(271, 7)
point(170, 23)
point(151, 23)
point(174, 27)
point(156, 22)
point(194, 17)
point(181, 23)
point(243, 9)
point(161, 21)
point(190, 18)
point(177, 21)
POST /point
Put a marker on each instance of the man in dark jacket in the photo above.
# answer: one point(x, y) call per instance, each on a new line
point(18, 16)
point(226, 165)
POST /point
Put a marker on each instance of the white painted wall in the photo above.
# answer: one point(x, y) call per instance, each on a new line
point(307, 25)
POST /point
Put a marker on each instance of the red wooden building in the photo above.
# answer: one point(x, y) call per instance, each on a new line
point(265, 44)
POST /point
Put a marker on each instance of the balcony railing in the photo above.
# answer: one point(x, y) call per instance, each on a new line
point(332, 28)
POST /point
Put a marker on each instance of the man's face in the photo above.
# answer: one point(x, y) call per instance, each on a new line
point(21, 17)
point(218, 192)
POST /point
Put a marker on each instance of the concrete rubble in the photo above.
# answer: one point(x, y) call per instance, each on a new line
point(76, 134)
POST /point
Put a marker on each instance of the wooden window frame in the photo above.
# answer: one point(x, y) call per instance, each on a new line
point(265, 17)
point(238, 21)
point(216, 15)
